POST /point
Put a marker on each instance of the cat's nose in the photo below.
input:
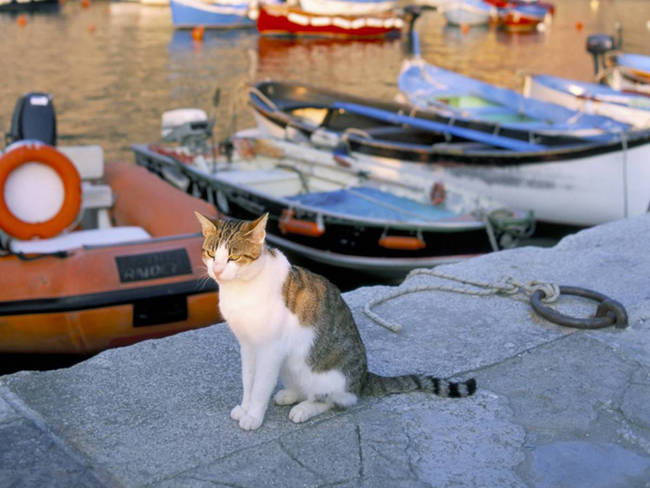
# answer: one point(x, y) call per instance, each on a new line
point(217, 269)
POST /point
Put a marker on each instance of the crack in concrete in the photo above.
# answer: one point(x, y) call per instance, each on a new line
point(295, 459)
point(357, 429)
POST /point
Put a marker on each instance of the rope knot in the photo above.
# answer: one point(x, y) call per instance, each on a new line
point(551, 291)
point(507, 286)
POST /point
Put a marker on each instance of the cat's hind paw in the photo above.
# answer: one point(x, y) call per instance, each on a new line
point(286, 397)
point(250, 422)
point(237, 412)
point(306, 410)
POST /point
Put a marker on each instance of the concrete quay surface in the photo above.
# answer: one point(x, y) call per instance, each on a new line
point(555, 407)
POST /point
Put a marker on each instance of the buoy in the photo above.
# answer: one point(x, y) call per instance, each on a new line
point(22, 20)
point(197, 33)
point(85, 3)
point(464, 28)
point(91, 28)
point(579, 26)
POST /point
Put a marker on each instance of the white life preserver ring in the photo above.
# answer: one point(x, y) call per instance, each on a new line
point(20, 227)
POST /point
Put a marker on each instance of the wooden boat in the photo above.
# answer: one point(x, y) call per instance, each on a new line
point(347, 7)
point(327, 213)
point(217, 14)
point(283, 20)
point(549, 7)
point(631, 73)
point(469, 12)
point(438, 89)
point(627, 72)
point(521, 17)
point(130, 268)
point(590, 98)
point(564, 180)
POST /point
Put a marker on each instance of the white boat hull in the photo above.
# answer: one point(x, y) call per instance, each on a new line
point(578, 192)
point(638, 118)
point(346, 7)
point(462, 13)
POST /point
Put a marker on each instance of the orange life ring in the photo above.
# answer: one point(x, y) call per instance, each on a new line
point(438, 193)
point(49, 156)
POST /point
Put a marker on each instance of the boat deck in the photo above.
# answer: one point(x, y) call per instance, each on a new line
point(368, 202)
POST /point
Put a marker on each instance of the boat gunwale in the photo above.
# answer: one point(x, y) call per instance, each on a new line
point(102, 299)
point(583, 147)
point(454, 224)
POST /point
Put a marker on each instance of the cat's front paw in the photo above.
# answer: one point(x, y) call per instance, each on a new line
point(237, 412)
point(250, 422)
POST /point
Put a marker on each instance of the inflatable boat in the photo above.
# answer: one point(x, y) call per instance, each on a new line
point(94, 255)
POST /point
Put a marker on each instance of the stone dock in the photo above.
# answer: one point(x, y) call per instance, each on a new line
point(555, 407)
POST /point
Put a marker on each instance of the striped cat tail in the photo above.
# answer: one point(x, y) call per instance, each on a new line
point(376, 385)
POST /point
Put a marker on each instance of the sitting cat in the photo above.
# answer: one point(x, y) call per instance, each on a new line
point(294, 325)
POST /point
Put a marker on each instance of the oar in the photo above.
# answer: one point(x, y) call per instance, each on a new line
point(471, 134)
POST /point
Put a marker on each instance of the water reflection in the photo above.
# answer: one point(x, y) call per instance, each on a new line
point(454, 34)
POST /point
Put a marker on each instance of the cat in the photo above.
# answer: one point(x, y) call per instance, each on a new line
point(293, 325)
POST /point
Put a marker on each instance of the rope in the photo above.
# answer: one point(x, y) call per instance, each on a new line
point(507, 287)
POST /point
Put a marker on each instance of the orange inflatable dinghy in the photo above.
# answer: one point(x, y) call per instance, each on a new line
point(131, 270)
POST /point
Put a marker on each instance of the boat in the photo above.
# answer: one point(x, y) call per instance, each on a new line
point(521, 17)
point(469, 12)
point(217, 14)
point(548, 6)
point(28, 5)
point(106, 256)
point(329, 214)
point(631, 73)
point(435, 88)
point(284, 20)
point(564, 180)
point(347, 7)
point(590, 98)
point(627, 72)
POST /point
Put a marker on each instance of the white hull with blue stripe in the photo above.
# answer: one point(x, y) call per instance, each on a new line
point(563, 180)
point(425, 85)
point(187, 14)
point(590, 98)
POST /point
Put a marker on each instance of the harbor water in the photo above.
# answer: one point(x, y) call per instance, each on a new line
point(114, 67)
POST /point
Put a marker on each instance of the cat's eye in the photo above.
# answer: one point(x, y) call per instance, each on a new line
point(234, 257)
point(209, 253)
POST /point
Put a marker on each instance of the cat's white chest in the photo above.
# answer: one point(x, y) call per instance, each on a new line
point(255, 311)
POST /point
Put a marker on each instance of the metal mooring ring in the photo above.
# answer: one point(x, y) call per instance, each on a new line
point(609, 312)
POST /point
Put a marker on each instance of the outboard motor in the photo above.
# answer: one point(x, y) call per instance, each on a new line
point(599, 45)
point(33, 119)
point(190, 127)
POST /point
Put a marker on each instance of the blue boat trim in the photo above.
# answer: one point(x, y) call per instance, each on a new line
point(425, 84)
point(191, 13)
point(473, 135)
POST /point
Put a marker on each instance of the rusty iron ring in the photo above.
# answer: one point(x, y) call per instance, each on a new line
point(609, 312)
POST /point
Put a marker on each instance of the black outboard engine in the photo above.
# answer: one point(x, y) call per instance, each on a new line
point(599, 45)
point(33, 118)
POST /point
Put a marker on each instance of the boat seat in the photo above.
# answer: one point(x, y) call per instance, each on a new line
point(88, 159)
point(97, 199)
point(274, 181)
point(80, 238)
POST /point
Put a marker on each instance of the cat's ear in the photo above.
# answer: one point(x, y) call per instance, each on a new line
point(258, 226)
point(207, 225)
